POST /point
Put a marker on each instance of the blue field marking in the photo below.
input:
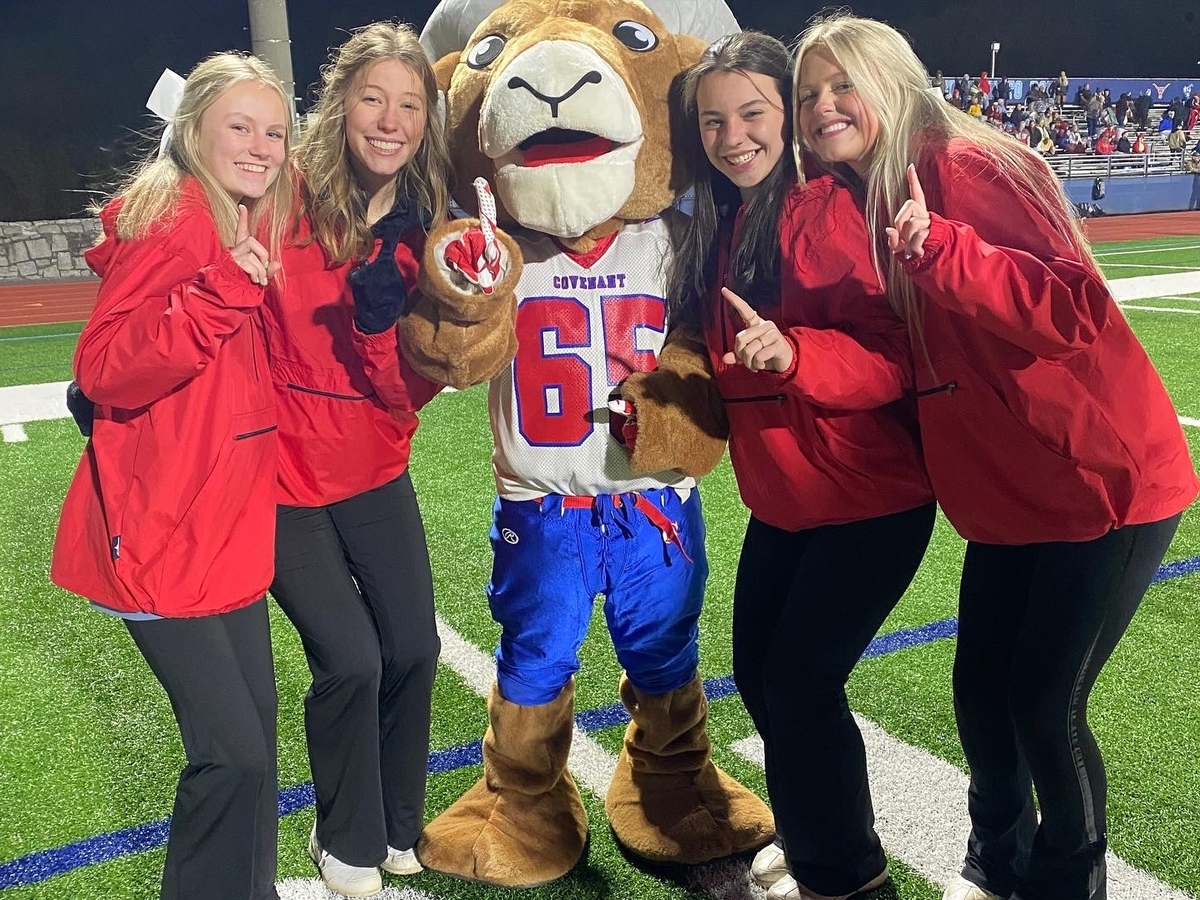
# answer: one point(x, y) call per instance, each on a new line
point(1176, 569)
point(45, 864)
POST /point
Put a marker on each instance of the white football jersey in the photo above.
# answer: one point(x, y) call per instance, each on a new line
point(580, 332)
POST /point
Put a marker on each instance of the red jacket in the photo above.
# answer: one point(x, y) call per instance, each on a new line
point(1041, 416)
point(172, 508)
point(830, 440)
point(346, 401)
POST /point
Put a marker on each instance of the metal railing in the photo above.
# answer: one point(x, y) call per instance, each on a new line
point(1118, 165)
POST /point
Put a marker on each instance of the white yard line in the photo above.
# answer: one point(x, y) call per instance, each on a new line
point(921, 814)
point(920, 800)
point(1108, 253)
point(33, 402)
point(1190, 422)
point(1166, 309)
point(314, 889)
point(1145, 287)
point(1125, 265)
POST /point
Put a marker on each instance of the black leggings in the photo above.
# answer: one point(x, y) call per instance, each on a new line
point(354, 579)
point(1036, 625)
point(806, 606)
point(218, 673)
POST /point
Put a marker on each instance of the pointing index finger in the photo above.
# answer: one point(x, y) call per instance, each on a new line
point(749, 316)
point(914, 185)
point(243, 225)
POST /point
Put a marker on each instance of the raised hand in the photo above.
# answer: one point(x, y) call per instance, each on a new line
point(760, 345)
point(248, 253)
point(906, 237)
point(475, 255)
point(380, 295)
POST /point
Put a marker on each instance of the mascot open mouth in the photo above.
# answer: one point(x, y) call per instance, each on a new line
point(564, 145)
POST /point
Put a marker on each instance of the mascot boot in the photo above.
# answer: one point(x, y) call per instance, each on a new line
point(523, 823)
point(668, 802)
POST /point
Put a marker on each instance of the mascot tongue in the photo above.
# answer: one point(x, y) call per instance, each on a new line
point(571, 152)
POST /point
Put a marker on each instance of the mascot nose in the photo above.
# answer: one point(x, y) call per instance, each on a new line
point(592, 77)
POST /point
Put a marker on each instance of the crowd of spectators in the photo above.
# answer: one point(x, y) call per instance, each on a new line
point(1094, 122)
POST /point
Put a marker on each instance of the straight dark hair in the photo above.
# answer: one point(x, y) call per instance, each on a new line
point(754, 269)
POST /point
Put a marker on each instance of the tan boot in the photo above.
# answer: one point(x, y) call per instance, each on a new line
point(523, 823)
point(668, 802)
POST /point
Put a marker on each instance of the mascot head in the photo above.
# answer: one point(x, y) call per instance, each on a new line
point(564, 104)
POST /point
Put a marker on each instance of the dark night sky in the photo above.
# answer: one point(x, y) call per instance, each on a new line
point(76, 74)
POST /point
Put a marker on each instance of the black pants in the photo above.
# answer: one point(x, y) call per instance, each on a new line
point(217, 672)
point(806, 606)
point(1036, 624)
point(354, 579)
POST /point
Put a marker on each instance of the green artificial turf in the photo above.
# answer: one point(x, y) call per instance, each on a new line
point(88, 744)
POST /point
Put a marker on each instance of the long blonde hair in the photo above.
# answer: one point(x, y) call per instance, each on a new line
point(915, 122)
point(332, 197)
point(154, 189)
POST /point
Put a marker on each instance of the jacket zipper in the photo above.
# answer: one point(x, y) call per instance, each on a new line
point(949, 387)
point(305, 390)
point(250, 434)
point(774, 398)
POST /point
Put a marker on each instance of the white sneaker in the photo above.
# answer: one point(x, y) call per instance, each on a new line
point(786, 888)
point(349, 881)
point(769, 865)
point(961, 889)
point(401, 862)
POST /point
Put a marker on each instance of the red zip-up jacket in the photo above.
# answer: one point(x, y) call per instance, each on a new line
point(346, 401)
point(1042, 418)
point(831, 440)
point(172, 508)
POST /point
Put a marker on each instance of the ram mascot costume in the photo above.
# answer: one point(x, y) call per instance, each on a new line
point(556, 296)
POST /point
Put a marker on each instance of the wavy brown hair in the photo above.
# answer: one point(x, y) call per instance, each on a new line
point(331, 195)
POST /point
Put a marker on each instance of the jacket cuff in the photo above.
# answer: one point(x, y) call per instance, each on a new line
point(228, 281)
point(778, 381)
point(940, 235)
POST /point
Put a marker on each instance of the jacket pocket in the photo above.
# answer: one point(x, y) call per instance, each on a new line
point(220, 549)
point(996, 479)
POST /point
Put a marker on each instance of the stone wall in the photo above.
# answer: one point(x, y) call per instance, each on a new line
point(50, 250)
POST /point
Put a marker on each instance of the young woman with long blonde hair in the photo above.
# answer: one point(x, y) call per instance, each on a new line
point(1050, 441)
point(169, 521)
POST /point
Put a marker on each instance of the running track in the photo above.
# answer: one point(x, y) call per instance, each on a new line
point(48, 302)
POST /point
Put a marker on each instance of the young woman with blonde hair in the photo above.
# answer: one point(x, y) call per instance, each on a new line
point(169, 521)
point(352, 566)
point(1050, 441)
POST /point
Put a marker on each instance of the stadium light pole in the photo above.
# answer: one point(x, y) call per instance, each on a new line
point(270, 42)
point(995, 50)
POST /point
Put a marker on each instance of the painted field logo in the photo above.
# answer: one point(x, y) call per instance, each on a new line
point(510, 536)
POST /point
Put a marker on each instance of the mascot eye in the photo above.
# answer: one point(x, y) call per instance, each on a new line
point(635, 36)
point(485, 52)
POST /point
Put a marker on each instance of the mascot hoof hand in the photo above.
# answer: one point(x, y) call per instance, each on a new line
point(474, 259)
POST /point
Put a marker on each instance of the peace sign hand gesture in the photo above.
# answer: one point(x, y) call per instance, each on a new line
point(906, 237)
point(249, 254)
point(760, 345)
